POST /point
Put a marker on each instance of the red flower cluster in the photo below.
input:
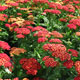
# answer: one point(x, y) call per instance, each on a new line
point(72, 26)
point(68, 64)
point(29, 27)
point(69, 8)
point(20, 36)
point(77, 66)
point(38, 28)
point(27, 22)
point(31, 65)
point(62, 55)
point(75, 22)
point(4, 45)
point(52, 11)
point(3, 17)
point(73, 52)
point(55, 5)
point(56, 34)
point(4, 60)
point(58, 50)
point(42, 33)
point(49, 61)
point(54, 47)
point(19, 14)
point(71, 1)
point(13, 4)
point(63, 20)
point(22, 30)
point(55, 40)
point(76, 1)
point(41, 1)
point(42, 39)
point(2, 8)
point(7, 25)
point(23, 1)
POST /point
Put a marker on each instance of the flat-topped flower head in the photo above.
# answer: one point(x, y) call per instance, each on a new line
point(4, 45)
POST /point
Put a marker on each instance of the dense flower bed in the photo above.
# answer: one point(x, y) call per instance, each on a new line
point(40, 40)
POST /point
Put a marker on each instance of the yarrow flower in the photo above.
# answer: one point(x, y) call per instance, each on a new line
point(2, 8)
point(13, 4)
point(72, 26)
point(69, 8)
point(68, 64)
point(31, 65)
point(3, 17)
point(52, 11)
point(4, 60)
point(20, 36)
point(77, 66)
point(38, 28)
point(58, 50)
point(23, 1)
point(55, 5)
point(49, 61)
point(22, 31)
point(55, 40)
point(54, 47)
point(4, 45)
point(75, 22)
point(41, 1)
point(56, 34)
point(7, 25)
point(42, 33)
point(19, 14)
point(62, 20)
point(73, 52)
point(23, 60)
point(29, 27)
point(42, 39)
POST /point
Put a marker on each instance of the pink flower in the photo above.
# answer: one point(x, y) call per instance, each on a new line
point(5, 60)
point(73, 52)
point(20, 36)
point(32, 71)
point(68, 64)
point(55, 40)
point(49, 61)
point(7, 25)
point(13, 4)
point(2, 8)
point(19, 14)
point(22, 31)
point(72, 26)
point(52, 11)
point(42, 39)
point(63, 20)
point(77, 66)
point(56, 34)
point(4, 45)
